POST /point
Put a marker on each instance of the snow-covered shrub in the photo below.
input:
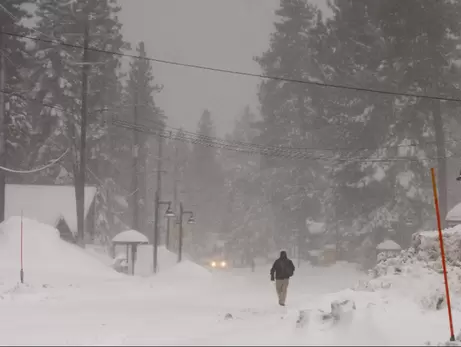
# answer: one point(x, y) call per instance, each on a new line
point(457, 342)
point(418, 272)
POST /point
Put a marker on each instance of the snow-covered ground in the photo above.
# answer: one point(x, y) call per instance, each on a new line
point(72, 297)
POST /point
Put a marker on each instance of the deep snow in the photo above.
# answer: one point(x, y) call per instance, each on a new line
point(72, 297)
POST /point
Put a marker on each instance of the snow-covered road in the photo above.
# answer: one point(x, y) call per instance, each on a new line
point(72, 298)
point(171, 309)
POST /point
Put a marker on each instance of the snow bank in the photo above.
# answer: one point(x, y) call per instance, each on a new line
point(187, 270)
point(427, 242)
point(417, 272)
point(47, 258)
point(100, 253)
point(144, 260)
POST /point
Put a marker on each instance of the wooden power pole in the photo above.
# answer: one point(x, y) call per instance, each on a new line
point(80, 175)
point(3, 129)
point(157, 202)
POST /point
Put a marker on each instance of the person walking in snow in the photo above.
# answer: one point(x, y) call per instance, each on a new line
point(281, 272)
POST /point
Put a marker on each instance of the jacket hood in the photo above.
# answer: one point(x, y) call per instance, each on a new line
point(283, 254)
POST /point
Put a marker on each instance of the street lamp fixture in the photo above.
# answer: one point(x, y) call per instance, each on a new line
point(191, 220)
point(169, 212)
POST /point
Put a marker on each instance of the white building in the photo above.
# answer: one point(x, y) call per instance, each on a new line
point(453, 217)
point(54, 205)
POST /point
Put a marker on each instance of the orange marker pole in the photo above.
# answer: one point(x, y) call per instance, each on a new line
point(21, 272)
point(442, 250)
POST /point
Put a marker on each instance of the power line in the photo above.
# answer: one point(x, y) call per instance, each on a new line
point(237, 146)
point(248, 148)
point(245, 144)
point(241, 73)
point(330, 149)
point(52, 162)
point(268, 152)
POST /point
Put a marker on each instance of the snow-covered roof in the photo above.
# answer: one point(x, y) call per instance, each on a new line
point(454, 215)
point(388, 245)
point(315, 227)
point(330, 246)
point(315, 252)
point(130, 236)
point(45, 203)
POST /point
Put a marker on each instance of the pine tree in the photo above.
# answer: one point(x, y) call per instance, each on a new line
point(383, 42)
point(431, 72)
point(61, 74)
point(15, 124)
point(248, 216)
point(141, 105)
point(291, 112)
point(360, 196)
point(205, 182)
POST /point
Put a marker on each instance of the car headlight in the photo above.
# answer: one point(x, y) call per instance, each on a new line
point(223, 264)
point(213, 264)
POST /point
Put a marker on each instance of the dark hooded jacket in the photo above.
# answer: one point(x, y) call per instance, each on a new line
point(283, 267)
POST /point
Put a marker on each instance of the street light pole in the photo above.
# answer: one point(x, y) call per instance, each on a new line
point(180, 221)
point(167, 239)
point(155, 245)
point(169, 214)
point(180, 233)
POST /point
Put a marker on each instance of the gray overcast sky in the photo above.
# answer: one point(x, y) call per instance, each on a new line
point(217, 33)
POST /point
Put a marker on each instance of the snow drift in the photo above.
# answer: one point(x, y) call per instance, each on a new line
point(47, 258)
point(417, 272)
point(144, 259)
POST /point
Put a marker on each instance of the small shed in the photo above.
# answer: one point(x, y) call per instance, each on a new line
point(389, 247)
point(131, 239)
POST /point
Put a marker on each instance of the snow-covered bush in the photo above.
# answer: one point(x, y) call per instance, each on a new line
point(457, 342)
point(418, 272)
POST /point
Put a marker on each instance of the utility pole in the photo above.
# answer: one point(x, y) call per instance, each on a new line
point(3, 121)
point(176, 169)
point(80, 177)
point(175, 194)
point(135, 183)
point(157, 201)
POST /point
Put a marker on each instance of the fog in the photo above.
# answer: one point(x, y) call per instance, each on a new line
point(221, 34)
point(332, 150)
